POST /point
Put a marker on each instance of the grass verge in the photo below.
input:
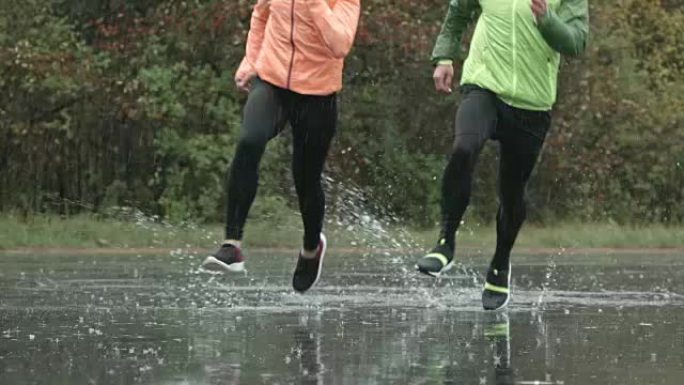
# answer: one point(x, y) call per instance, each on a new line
point(89, 232)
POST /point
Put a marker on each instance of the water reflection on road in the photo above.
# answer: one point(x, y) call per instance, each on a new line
point(158, 320)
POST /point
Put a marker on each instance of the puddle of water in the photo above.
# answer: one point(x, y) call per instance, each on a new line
point(158, 320)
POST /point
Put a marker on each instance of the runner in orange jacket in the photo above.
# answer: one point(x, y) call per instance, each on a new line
point(292, 70)
point(300, 45)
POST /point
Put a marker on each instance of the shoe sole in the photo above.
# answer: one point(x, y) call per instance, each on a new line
point(436, 274)
point(508, 297)
point(320, 265)
point(211, 263)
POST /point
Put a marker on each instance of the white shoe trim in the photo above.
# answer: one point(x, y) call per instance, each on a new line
point(437, 274)
point(211, 263)
point(324, 248)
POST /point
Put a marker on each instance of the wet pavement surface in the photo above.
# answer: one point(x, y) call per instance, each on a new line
point(372, 320)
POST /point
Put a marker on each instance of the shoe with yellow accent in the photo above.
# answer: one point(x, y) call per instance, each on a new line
point(437, 261)
point(497, 288)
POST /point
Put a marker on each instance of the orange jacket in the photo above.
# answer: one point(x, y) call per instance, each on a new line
point(300, 45)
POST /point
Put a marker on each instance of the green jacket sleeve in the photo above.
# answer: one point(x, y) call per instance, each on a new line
point(460, 14)
point(567, 30)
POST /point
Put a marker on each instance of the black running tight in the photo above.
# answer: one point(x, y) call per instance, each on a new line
point(482, 116)
point(313, 120)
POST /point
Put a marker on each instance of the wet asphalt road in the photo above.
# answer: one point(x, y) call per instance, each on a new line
point(160, 320)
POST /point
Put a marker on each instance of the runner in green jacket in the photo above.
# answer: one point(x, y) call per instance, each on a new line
point(508, 84)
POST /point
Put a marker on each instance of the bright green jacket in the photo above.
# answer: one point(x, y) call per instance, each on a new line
point(511, 54)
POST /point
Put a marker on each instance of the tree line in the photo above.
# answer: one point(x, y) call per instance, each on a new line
point(122, 103)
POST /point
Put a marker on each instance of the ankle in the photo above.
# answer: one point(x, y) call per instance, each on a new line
point(446, 241)
point(500, 264)
point(233, 242)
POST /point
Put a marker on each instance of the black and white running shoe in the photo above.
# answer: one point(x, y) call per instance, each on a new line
point(496, 293)
point(227, 258)
point(308, 270)
point(437, 261)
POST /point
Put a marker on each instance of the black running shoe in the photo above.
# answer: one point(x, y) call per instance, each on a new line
point(496, 292)
point(227, 258)
point(437, 261)
point(308, 270)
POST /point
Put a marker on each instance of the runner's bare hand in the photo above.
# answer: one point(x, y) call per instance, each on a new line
point(443, 77)
point(243, 81)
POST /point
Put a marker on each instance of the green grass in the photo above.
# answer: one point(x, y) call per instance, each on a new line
point(84, 231)
point(88, 232)
point(576, 235)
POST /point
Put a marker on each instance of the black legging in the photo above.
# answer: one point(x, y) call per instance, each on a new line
point(481, 116)
point(314, 121)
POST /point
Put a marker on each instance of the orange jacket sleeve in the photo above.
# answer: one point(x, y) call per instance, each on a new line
point(257, 29)
point(337, 25)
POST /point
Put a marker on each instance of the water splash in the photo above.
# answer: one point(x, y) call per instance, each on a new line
point(549, 278)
